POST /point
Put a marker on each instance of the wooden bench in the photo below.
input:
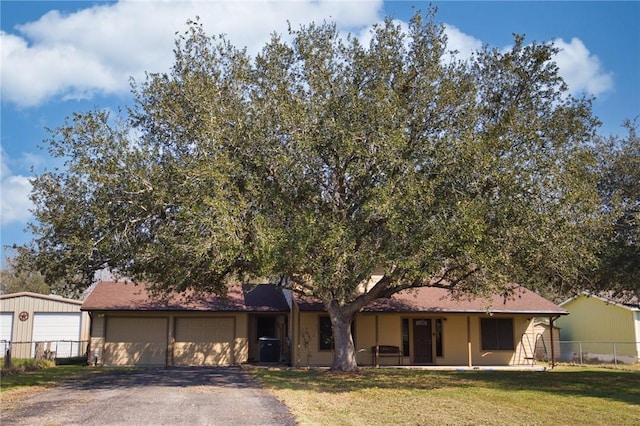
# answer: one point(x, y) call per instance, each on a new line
point(385, 351)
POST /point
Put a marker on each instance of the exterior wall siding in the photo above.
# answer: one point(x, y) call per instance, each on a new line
point(637, 327)
point(594, 320)
point(310, 339)
point(542, 341)
point(365, 335)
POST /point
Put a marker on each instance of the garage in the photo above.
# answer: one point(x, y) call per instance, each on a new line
point(204, 341)
point(6, 326)
point(61, 329)
point(136, 341)
point(132, 325)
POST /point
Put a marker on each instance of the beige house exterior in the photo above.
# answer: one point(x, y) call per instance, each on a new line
point(262, 323)
point(131, 327)
point(600, 328)
point(52, 323)
point(430, 328)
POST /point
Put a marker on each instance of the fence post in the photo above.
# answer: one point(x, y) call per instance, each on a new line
point(7, 358)
point(615, 355)
point(580, 346)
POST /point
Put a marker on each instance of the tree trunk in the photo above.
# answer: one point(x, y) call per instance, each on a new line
point(344, 356)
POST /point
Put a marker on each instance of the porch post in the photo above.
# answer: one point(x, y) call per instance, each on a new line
point(470, 361)
point(374, 351)
point(553, 349)
point(376, 342)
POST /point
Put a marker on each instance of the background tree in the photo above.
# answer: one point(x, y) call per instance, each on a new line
point(620, 189)
point(13, 280)
point(323, 160)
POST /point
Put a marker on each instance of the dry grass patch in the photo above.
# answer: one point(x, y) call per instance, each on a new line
point(410, 397)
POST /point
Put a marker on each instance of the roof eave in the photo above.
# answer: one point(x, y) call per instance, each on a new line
point(51, 297)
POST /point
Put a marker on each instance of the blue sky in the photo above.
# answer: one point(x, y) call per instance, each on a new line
point(60, 57)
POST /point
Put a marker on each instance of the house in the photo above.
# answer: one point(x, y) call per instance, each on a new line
point(31, 322)
point(263, 323)
point(601, 328)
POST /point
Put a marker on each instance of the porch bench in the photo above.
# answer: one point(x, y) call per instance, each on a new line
point(385, 351)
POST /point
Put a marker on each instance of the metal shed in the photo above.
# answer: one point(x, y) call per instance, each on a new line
point(31, 321)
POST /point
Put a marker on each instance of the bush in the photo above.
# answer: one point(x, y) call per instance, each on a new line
point(76, 360)
point(26, 364)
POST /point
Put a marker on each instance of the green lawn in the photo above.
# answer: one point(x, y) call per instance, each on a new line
point(43, 376)
point(564, 396)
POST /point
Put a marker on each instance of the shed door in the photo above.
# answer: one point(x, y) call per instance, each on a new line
point(6, 325)
point(136, 341)
point(204, 341)
point(61, 329)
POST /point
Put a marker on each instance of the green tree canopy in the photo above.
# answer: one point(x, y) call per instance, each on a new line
point(322, 160)
point(14, 280)
point(620, 189)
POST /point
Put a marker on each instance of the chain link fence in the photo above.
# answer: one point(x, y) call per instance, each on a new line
point(54, 349)
point(589, 352)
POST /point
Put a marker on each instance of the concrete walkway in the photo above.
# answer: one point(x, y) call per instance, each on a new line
point(162, 396)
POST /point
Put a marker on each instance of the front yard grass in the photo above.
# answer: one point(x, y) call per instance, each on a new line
point(45, 375)
point(567, 396)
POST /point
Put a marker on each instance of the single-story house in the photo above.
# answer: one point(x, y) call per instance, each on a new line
point(264, 323)
point(49, 324)
point(601, 328)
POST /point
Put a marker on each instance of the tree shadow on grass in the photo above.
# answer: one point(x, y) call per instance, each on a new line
point(623, 386)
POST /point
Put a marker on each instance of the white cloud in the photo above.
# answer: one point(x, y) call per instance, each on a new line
point(464, 44)
point(581, 69)
point(14, 195)
point(97, 49)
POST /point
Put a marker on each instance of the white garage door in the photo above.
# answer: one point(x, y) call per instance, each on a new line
point(61, 329)
point(136, 341)
point(6, 325)
point(204, 341)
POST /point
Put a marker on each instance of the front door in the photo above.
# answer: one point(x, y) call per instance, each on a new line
point(422, 348)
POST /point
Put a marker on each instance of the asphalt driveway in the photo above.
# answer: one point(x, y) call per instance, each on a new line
point(162, 396)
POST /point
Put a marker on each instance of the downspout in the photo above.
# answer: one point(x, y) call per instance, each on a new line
point(92, 359)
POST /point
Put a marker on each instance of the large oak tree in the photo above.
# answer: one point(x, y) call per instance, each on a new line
point(323, 160)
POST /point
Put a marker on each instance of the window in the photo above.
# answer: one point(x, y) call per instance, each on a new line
point(439, 337)
point(497, 334)
point(325, 333)
point(405, 336)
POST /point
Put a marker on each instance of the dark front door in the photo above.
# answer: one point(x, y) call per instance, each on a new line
point(422, 348)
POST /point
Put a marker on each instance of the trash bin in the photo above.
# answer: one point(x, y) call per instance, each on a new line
point(269, 349)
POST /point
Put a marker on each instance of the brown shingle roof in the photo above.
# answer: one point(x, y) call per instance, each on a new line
point(127, 296)
point(433, 299)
